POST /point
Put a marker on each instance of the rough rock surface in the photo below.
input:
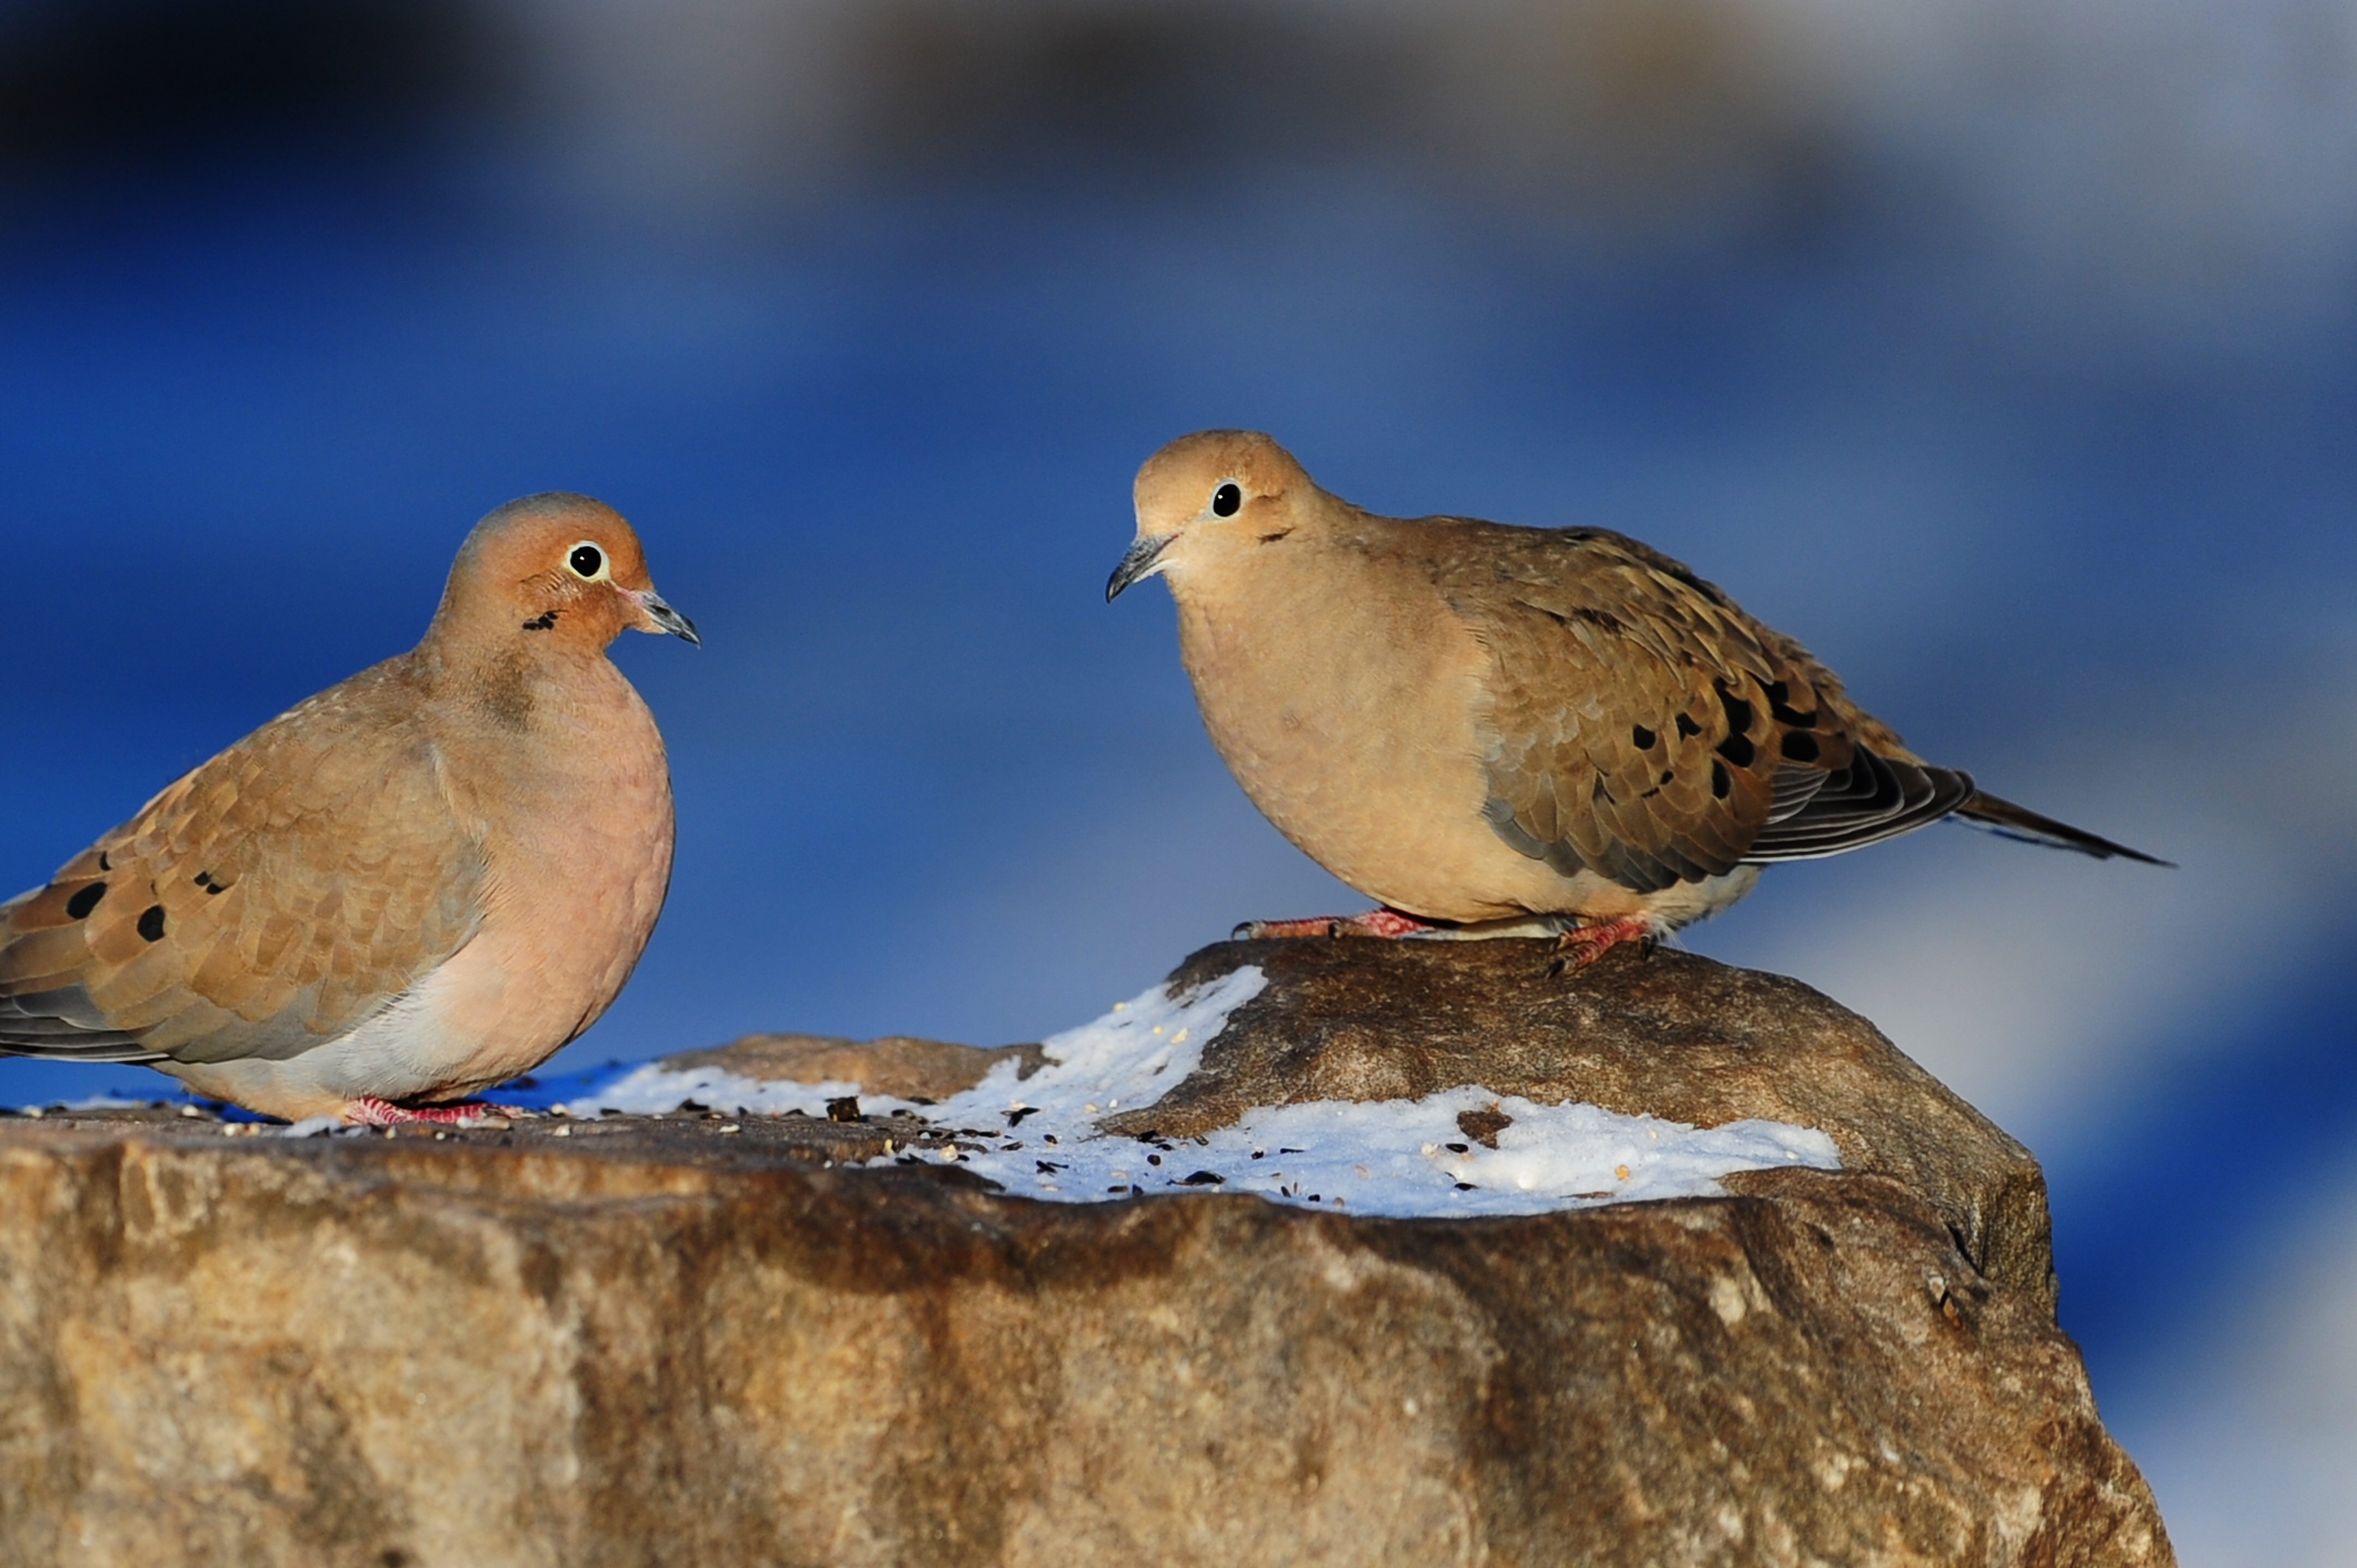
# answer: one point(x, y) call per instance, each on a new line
point(694, 1340)
point(1671, 1034)
point(902, 1066)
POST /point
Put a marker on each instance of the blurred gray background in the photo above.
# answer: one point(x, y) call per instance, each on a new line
point(2004, 353)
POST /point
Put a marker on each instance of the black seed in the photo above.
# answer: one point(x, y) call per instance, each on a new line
point(151, 922)
point(1154, 1159)
point(1643, 737)
point(1737, 749)
point(1687, 727)
point(1465, 1186)
point(78, 906)
point(1014, 1117)
point(1203, 1178)
point(1719, 782)
point(1458, 1148)
point(1799, 745)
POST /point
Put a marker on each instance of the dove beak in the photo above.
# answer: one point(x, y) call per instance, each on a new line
point(1143, 560)
point(660, 616)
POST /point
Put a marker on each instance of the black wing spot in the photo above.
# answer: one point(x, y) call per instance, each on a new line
point(151, 922)
point(1738, 711)
point(1643, 737)
point(78, 906)
point(541, 621)
point(1667, 774)
point(104, 863)
point(1687, 727)
point(1737, 749)
point(1719, 782)
point(1799, 745)
point(1781, 710)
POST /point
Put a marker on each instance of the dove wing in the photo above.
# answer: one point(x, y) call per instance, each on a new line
point(264, 904)
point(1640, 725)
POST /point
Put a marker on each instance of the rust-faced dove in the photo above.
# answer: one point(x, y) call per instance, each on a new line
point(1491, 726)
point(416, 885)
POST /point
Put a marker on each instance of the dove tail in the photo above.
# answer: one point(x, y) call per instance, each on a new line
point(2009, 821)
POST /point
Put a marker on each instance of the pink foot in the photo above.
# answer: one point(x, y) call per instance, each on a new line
point(370, 1112)
point(1583, 945)
point(1373, 923)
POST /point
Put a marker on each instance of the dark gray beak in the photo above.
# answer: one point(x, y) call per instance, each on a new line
point(667, 618)
point(1143, 560)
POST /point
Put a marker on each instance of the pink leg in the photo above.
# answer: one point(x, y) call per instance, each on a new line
point(1583, 945)
point(1373, 923)
point(370, 1112)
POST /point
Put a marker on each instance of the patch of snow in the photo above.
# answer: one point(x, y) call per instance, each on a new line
point(1402, 1158)
point(651, 1088)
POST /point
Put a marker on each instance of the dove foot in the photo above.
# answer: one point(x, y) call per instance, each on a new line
point(370, 1112)
point(1389, 923)
point(1582, 945)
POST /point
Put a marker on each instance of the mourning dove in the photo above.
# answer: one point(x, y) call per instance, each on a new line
point(1507, 729)
point(416, 885)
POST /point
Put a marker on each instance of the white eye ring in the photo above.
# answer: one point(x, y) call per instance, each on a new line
point(587, 561)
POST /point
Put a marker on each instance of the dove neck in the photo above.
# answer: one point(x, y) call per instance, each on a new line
point(518, 680)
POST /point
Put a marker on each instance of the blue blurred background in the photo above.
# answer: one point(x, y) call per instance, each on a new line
point(2004, 352)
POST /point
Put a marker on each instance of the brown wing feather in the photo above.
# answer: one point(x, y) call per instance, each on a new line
point(263, 904)
point(1641, 726)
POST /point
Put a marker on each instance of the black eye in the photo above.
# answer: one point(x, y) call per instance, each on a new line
point(587, 561)
point(1227, 500)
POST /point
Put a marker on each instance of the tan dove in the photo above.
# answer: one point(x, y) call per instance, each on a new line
point(1509, 728)
point(416, 885)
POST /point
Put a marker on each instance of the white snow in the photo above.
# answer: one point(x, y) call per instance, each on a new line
point(1395, 1157)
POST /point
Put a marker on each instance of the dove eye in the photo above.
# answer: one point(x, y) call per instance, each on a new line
point(1227, 500)
point(587, 561)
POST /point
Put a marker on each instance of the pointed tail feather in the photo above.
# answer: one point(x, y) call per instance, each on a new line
point(2005, 817)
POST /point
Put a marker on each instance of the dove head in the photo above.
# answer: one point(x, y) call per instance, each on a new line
point(556, 571)
point(1210, 498)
